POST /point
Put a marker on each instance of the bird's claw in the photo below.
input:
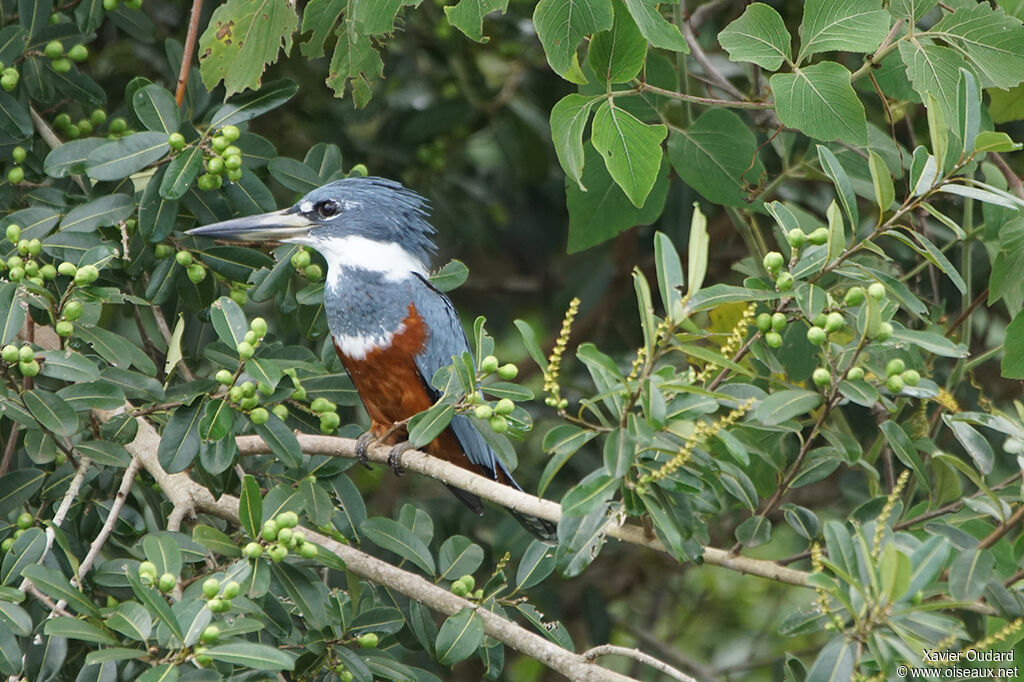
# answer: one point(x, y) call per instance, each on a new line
point(362, 444)
point(395, 457)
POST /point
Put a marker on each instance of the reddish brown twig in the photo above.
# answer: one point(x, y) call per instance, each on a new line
point(190, 46)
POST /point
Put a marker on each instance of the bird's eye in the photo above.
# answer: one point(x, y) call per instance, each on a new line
point(327, 209)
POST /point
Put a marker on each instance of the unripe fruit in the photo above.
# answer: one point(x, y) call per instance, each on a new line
point(259, 325)
point(821, 377)
point(855, 374)
point(299, 394)
point(230, 133)
point(248, 389)
point(284, 536)
point(53, 49)
point(308, 551)
point(167, 582)
point(320, 405)
point(64, 328)
point(854, 296)
point(250, 337)
point(73, 131)
point(232, 150)
point(162, 250)
point(894, 366)
point(280, 411)
point(110, 5)
point(24, 520)
point(911, 377)
point(269, 531)
point(35, 247)
point(219, 143)
point(508, 371)
point(6, 545)
point(796, 237)
point(118, 125)
point(818, 236)
point(504, 406)
point(773, 260)
point(817, 336)
point(61, 121)
point(313, 273)
point(18, 154)
point(147, 568)
point(234, 174)
point(215, 165)
point(885, 330)
point(176, 141)
point(13, 233)
point(359, 170)
point(773, 339)
point(483, 412)
point(489, 365)
point(183, 258)
point(231, 589)
point(239, 296)
point(16, 175)
point(249, 403)
point(778, 321)
point(196, 273)
point(26, 353)
point(79, 53)
point(245, 350)
point(233, 163)
point(300, 259)
point(211, 588)
point(224, 377)
point(834, 322)
point(61, 65)
point(67, 269)
point(369, 640)
point(763, 322)
point(87, 274)
point(469, 581)
point(235, 394)
point(499, 424)
point(98, 116)
point(288, 519)
point(894, 383)
point(876, 290)
point(259, 416)
point(785, 281)
point(278, 553)
point(9, 353)
point(216, 605)
point(210, 634)
point(459, 589)
point(252, 550)
point(28, 369)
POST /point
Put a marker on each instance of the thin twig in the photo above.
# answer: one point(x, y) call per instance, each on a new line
point(186, 54)
point(1002, 529)
point(721, 82)
point(637, 655)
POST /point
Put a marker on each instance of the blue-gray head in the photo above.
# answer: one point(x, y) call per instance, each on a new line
point(369, 223)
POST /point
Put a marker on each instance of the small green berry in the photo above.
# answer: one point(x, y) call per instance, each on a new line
point(269, 530)
point(259, 325)
point(18, 154)
point(6, 545)
point(785, 281)
point(499, 424)
point(64, 328)
point(230, 133)
point(895, 383)
point(53, 49)
point(167, 582)
point(235, 394)
point(817, 336)
point(85, 126)
point(211, 633)
point(763, 322)
point(215, 165)
point(211, 588)
point(911, 377)
point(219, 143)
point(231, 589)
point(368, 640)
point(110, 5)
point(818, 236)
point(79, 53)
point(489, 365)
point(773, 339)
point(24, 520)
point(233, 163)
point(176, 141)
point(469, 581)
point(234, 174)
point(796, 237)
point(313, 273)
point(26, 354)
point(459, 589)
point(196, 273)
point(778, 321)
point(854, 296)
point(259, 416)
point(28, 369)
point(252, 550)
point(98, 116)
point(245, 350)
point(9, 353)
point(16, 175)
point(284, 535)
point(772, 261)
point(231, 150)
point(288, 519)
point(320, 405)
point(61, 121)
point(483, 412)
point(876, 290)
point(358, 170)
point(162, 250)
point(834, 322)
point(855, 374)
point(216, 604)
point(224, 377)
point(250, 337)
point(308, 551)
point(299, 394)
point(183, 258)
point(895, 366)
point(147, 568)
point(885, 331)
point(13, 233)
point(248, 389)
point(118, 125)
point(504, 407)
point(278, 553)
point(300, 259)
point(16, 273)
point(821, 377)
point(61, 65)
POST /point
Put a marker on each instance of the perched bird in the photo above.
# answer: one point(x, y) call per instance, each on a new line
point(391, 328)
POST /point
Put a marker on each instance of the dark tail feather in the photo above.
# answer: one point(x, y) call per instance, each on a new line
point(468, 499)
point(542, 529)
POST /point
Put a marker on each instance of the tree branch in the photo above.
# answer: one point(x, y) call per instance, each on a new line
point(637, 655)
point(422, 463)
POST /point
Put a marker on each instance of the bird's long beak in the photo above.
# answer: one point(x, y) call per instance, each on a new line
point(278, 226)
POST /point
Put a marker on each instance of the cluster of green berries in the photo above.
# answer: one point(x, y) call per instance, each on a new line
point(117, 127)
point(463, 587)
point(9, 78)
point(16, 174)
point(196, 271)
point(24, 358)
point(111, 5)
point(23, 265)
point(61, 61)
point(148, 576)
point(301, 261)
point(771, 325)
point(898, 376)
point(328, 412)
point(247, 346)
point(797, 237)
point(279, 531)
point(773, 262)
point(495, 413)
point(219, 600)
point(23, 523)
point(825, 324)
point(225, 159)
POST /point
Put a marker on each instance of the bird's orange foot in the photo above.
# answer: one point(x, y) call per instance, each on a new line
point(362, 444)
point(395, 457)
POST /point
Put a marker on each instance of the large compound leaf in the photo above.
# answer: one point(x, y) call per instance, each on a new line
point(819, 101)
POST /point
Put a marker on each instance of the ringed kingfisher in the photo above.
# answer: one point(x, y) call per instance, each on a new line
point(391, 328)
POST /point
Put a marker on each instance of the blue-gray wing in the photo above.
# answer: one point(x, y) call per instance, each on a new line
point(446, 338)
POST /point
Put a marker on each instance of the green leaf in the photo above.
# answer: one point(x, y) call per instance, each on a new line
point(933, 69)
point(602, 211)
point(242, 38)
point(105, 452)
point(73, 628)
point(697, 253)
point(590, 493)
point(156, 109)
point(834, 662)
point(53, 584)
point(717, 294)
point(968, 110)
point(669, 270)
point(803, 520)
point(459, 636)
point(12, 311)
point(969, 572)
point(569, 117)
point(253, 656)
point(100, 212)
point(68, 365)
point(17, 486)
point(15, 120)
point(293, 174)
point(29, 547)
point(976, 445)
point(468, 16)
point(631, 150)
point(537, 564)
point(69, 158)
point(717, 156)
point(179, 442)
point(881, 179)
point(394, 537)
point(927, 562)
point(181, 173)
point(132, 620)
point(451, 276)
point(228, 321)
point(163, 551)
point(911, 10)
point(989, 39)
point(428, 425)
point(253, 104)
point(831, 25)
point(121, 158)
point(903, 447)
point(562, 442)
point(562, 24)
point(250, 507)
point(655, 28)
point(757, 530)
point(618, 54)
point(988, 141)
point(1006, 105)
point(156, 215)
point(844, 187)
point(52, 413)
point(457, 557)
point(1012, 364)
point(155, 604)
point(355, 60)
point(820, 102)
point(15, 619)
point(784, 405)
point(759, 35)
point(276, 434)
